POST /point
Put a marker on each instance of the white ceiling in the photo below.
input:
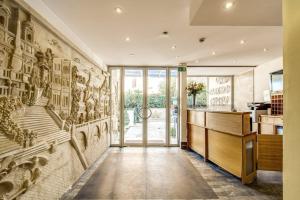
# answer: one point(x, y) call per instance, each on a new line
point(101, 29)
point(243, 13)
point(217, 71)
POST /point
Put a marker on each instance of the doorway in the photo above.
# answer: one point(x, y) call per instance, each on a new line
point(144, 106)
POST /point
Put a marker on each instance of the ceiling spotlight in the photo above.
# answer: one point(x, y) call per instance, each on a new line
point(228, 5)
point(118, 10)
point(202, 39)
point(242, 42)
point(265, 49)
point(173, 47)
point(213, 53)
point(127, 39)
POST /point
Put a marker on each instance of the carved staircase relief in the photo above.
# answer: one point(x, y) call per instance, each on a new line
point(9, 127)
point(42, 101)
point(40, 98)
point(37, 119)
point(7, 145)
point(59, 119)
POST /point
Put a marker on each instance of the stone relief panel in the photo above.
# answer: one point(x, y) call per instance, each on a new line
point(97, 134)
point(83, 140)
point(98, 139)
point(17, 177)
point(46, 88)
point(38, 67)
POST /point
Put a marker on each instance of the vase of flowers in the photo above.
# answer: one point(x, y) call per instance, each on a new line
point(193, 89)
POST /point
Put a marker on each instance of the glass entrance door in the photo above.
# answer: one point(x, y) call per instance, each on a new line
point(148, 101)
point(133, 106)
point(156, 106)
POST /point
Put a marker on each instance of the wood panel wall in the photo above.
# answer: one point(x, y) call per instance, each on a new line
point(196, 118)
point(226, 151)
point(270, 152)
point(197, 139)
point(225, 122)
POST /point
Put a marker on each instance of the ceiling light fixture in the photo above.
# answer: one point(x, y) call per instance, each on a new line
point(173, 47)
point(132, 54)
point(127, 39)
point(118, 10)
point(201, 40)
point(165, 34)
point(213, 53)
point(265, 49)
point(242, 42)
point(228, 5)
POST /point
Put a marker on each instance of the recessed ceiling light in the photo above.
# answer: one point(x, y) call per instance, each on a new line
point(165, 34)
point(265, 49)
point(118, 10)
point(127, 39)
point(242, 42)
point(132, 54)
point(213, 53)
point(201, 40)
point(228, 5)
point(173, 47)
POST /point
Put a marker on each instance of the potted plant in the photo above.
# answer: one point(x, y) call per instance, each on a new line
point(193, 89)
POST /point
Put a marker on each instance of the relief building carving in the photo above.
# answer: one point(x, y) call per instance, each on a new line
point(46, 88)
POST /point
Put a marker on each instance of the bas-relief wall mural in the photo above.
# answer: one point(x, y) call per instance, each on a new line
point(48, 94)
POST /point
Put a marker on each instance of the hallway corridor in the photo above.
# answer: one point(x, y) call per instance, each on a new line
point(168, 173)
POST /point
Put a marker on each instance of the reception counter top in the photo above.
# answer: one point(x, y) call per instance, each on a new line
point(217, 111)
point(237, 123)
point(225, 139)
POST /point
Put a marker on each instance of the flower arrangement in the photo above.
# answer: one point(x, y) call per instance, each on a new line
point(194, 88)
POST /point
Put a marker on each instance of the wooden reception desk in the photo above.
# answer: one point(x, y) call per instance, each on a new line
point(225, 139)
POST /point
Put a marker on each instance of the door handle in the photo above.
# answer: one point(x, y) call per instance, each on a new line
point(141, 115)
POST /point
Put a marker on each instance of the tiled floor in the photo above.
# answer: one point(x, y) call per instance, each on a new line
point(267, 186)
point(167, 173)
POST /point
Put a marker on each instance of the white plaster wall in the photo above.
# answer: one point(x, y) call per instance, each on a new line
point(243, 90)
point(262, 77)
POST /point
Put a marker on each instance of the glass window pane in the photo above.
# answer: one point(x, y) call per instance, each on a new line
point(156, 102)
point(220, 93)
point(174, 106)
point(133, 104)
point(217, 94)
point(201, 98)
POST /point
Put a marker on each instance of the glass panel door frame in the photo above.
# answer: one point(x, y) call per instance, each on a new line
point(145, 96)
point(143, 113)
point(147, 143)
